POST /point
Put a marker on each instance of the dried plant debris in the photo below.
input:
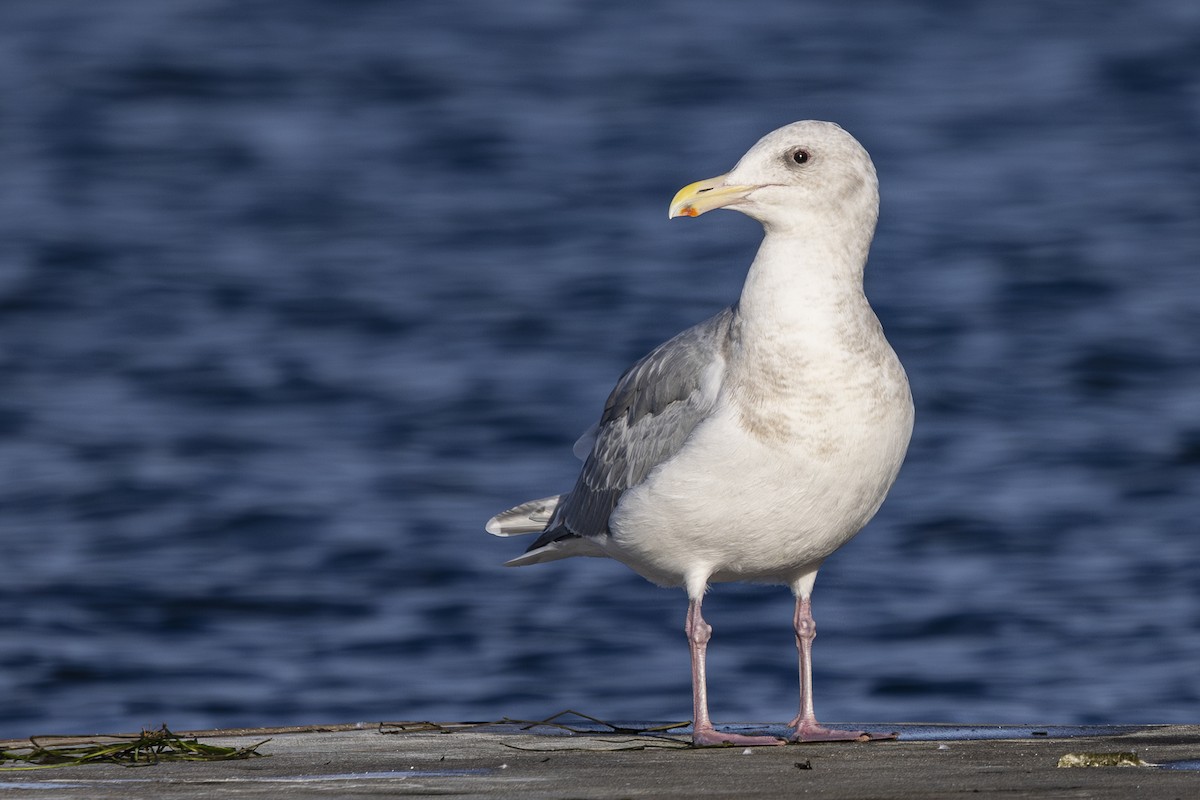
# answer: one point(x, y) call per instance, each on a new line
point(144, 749)
point(642, 737)
point(553, 721)
point(609, 727)
point(1102, 760)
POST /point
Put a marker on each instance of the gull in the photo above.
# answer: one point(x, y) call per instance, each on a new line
point(753, 445)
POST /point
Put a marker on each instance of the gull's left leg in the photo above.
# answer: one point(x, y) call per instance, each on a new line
point(805, 727)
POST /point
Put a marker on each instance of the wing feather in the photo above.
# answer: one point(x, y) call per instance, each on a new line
point(650, 413)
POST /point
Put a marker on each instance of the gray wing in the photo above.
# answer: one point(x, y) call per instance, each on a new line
point(653, 409)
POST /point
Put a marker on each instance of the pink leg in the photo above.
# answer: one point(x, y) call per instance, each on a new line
point(703, 732)
point(805, 725)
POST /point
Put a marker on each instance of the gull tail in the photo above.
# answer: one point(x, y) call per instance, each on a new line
point(530, 517)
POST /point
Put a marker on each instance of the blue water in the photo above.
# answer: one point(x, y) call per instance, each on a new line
point(293, 297)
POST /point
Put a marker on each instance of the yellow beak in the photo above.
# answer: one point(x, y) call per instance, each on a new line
point(696, 198)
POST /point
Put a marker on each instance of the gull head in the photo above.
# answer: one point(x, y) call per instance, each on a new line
point(792, 178)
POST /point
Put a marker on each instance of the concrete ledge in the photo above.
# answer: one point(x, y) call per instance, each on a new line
point(508, 761)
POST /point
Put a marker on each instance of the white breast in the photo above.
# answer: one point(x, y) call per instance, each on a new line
point(781, 475)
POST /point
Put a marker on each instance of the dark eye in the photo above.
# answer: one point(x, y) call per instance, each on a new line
point(800, 156)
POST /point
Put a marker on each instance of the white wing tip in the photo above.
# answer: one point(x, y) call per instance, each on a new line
point(530, 517)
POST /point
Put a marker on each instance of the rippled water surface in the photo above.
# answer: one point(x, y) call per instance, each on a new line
point(293, 299)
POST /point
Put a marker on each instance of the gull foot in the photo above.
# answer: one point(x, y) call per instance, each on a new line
point(817, 733)
point(710, 737)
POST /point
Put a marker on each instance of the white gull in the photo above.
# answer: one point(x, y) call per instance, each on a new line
point(751, 446)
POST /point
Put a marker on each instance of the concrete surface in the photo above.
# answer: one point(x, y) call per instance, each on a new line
point(402, 759)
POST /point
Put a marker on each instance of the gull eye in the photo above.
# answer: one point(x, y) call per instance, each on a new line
point(800, 156)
